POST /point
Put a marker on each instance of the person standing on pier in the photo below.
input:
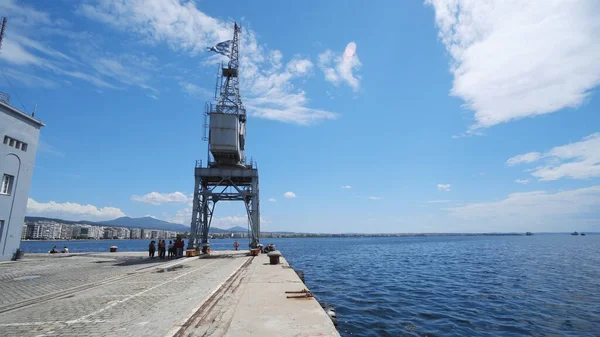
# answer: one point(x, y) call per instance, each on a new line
point(171, 249)
point(151, 249)
point(161, 249)
point(236, 245)
point(179, 247)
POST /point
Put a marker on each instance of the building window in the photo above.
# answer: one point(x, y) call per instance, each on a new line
point(19, 145)
point(7, 184)
point(1, 229)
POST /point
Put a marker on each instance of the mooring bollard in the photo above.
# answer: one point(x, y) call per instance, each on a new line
point(113, 249)
point(274, 257)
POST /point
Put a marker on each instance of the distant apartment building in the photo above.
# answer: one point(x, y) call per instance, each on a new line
point(135, 233)
point(66, 232)
point(123, 233)
point(19, 134)
point(98, 232)
point(34, 231)
point(50, 230)
point(85, 232)
point(76, 231)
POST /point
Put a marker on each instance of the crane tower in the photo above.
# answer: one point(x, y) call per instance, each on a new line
point(226, 176)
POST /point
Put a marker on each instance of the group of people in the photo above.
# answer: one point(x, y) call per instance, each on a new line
point(55, 251)
point(269, 248)
point(175, 249)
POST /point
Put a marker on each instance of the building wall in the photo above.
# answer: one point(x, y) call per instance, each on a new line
point(19, 164)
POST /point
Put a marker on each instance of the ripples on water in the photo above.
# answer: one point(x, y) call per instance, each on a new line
point(444, 286)
point(462, 286)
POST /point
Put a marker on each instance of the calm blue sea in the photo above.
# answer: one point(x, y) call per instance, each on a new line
point(541, 285)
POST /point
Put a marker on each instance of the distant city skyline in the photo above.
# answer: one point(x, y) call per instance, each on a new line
point(405, 117)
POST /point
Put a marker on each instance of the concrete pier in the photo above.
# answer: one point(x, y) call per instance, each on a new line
point(127, 294)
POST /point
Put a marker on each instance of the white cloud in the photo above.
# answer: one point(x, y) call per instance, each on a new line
point(537, 210)
point(130, 69)
point(272, 199)
point(347, 186)
point(272, 94)
point(289, 195)
point(579, 160)
point(524, 158)
point(180, 25)
point(340, 68)
point(229, 221)
point(513, 59)
point(23, 15)
point(196, 91)
point(375, 198)
point(437, 201)
point(14, 53)
point(522, 181)
point(182, 216)
point(30, 80)
point(23, 48)
point(47, 148)
point(45, 50)
point(299, 66)
point(86, 77)
point(155, 198)
point(444, 187)
point(268, 88)
point(72, 211)
point(150, 216)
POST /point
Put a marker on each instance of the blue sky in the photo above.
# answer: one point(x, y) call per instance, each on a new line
point(449, 116)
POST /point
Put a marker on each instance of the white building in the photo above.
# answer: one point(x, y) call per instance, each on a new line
point(135, 233)
point(19, 135)
point(66, 232)
point(34, 231)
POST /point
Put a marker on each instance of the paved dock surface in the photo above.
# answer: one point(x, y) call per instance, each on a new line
point(128, 294)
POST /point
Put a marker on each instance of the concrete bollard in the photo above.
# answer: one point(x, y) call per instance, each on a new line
point(274, 257)
point(113, 249)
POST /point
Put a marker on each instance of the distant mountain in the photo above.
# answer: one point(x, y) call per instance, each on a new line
point(145, 222)
point(39, 218)
point(238, 229)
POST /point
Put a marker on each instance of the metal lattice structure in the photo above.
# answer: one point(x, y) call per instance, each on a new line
point(230, 100)
point(226, 176)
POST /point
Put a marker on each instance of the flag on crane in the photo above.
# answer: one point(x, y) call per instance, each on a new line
point(221, 48)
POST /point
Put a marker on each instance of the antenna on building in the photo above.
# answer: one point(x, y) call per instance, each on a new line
point(2, 30)
point(4, 97)
point(34, 110)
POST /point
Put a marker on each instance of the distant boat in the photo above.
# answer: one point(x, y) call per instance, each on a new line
point(529, 233)
point(582, 234)
point(574, 233)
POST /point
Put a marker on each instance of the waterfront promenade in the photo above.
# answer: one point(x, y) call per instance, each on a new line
point(127, 294)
